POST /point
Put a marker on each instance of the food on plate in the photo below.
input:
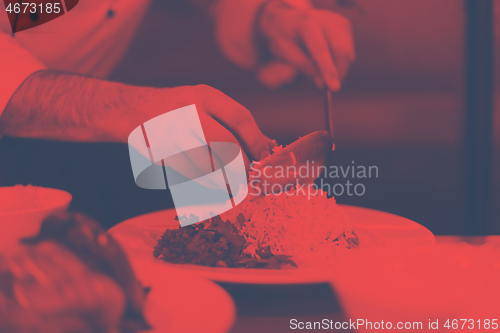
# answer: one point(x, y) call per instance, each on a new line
point(306, 227)
point(272, 231)
point(71, 277)
point(217, 243)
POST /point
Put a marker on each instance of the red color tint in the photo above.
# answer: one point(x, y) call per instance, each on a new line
point(34, 13)
point(417, 284)
point(70, 4)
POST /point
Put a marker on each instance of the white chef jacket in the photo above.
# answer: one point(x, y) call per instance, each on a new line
point(91, 38)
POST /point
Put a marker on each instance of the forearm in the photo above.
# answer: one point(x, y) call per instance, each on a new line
point(61, 106)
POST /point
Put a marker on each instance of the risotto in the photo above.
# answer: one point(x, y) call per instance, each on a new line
point(273, 231)
point(309, 229)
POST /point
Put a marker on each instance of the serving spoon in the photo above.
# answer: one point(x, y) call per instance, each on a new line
point(299, 163)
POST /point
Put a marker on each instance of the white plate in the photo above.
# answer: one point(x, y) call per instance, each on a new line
point(139, 235)
point(180, 302)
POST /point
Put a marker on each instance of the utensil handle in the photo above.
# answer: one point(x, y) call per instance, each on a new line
point(328, 111)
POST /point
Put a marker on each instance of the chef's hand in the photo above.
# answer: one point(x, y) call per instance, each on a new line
point(62, 106)
point(318, 43)
point(222, 119)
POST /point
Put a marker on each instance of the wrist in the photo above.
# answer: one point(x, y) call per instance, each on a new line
point(125, 109)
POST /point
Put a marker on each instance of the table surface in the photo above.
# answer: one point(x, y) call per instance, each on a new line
point(268, 308)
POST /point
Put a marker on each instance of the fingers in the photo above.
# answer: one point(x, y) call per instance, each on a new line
point(314, 40)
point(238, 120)
point(195, 163)
point(341, 42)
point(218, 159)
point(218, 133)
point(291, 53)
point(319, 43)
point(275, 74)
point(190, 165)
point(272, 143)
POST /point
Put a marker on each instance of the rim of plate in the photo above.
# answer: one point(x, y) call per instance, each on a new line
point(214, 304)
point(413, 234)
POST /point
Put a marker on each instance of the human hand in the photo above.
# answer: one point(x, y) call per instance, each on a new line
point(318, 43)
point(75, 108)
point(222, 120)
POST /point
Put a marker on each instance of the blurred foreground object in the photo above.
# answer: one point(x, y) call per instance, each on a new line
point(72, 277)
point(419, 285)
point(22, 209)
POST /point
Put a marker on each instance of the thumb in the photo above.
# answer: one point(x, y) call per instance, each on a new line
point(275, 74)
